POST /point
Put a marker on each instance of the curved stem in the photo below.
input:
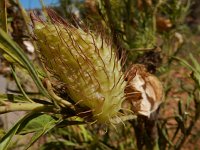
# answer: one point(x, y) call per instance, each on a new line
point(56, 98)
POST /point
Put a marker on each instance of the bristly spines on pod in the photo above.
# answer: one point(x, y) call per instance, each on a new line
point(85, 62)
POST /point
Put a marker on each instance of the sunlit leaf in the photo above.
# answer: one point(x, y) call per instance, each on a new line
point(42, 122)
point(41, 125)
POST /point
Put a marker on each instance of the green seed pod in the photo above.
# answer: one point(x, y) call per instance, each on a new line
point(86, 63)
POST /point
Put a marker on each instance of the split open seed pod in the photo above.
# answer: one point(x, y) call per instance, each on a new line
point(144, 92)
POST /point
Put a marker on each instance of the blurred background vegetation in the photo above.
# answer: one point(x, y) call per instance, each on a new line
point(163, 35)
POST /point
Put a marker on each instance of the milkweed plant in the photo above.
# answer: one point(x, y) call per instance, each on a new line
point(82, 76)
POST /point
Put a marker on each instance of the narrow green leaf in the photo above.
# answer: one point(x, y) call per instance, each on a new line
point(10, 55)
point(195, 68)
point(9, 59)
point(196, 64)
point(86, 134)
point(14, 51)
point(185, 63)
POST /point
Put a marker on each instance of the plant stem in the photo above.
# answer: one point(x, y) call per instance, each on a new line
point(57, 99)
point(10, 107)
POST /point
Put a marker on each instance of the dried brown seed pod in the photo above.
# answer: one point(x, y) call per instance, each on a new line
point(143, 91)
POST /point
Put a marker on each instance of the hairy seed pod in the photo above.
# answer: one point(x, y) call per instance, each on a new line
point(86, 63)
